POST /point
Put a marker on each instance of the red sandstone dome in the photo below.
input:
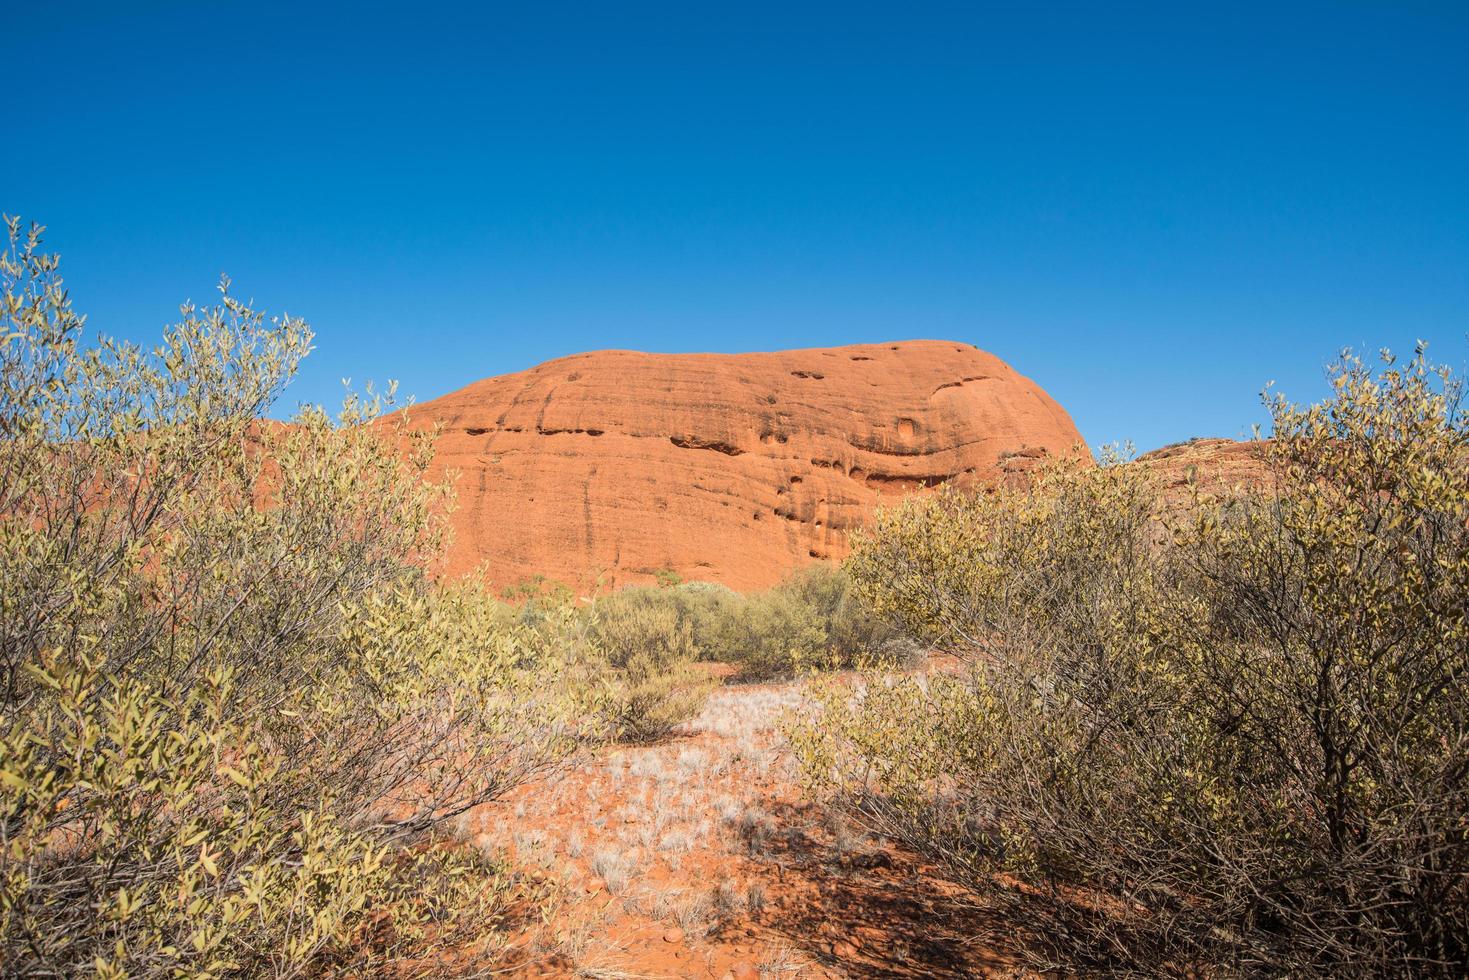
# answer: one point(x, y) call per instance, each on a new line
point(732, 468)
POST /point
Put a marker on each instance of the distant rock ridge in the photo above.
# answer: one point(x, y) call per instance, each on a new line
point(734, 468)
point(1213, 467)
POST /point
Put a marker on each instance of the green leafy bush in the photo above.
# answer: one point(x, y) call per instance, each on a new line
point(232, 707)
point(653, 682)
point(811, 620)
point(639, 647)
point(1234, 743)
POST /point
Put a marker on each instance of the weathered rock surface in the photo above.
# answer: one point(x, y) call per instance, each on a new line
point(732, 468)
point(1212, 466)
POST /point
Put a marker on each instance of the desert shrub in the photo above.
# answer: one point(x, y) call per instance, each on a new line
point(810, 620)
point(850, 633)
point(233, 709)
point(652, 682)
point(714, 614)
point(1046, 566)
point(628, 657)
point(640, 646)
point(1238, 743)
point(645, 701)
point(642, 623)
point(535, 594)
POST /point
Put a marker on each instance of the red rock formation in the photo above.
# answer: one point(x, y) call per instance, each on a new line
point(729, 468)
point(1212, 466)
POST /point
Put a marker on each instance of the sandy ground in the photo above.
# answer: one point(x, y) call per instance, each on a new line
point(698, 857)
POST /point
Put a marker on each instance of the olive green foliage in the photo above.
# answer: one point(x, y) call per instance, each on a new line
point(650, 649)
point(626, 657)
point(811, 620)
point(233, 710)
point(1231, 741)
point(637, 651)
point(537, 591)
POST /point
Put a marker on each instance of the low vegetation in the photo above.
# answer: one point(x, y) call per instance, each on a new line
point(234, 712)
point(1235, 741)
point(650, 651)
point(646, 650)
point(811, 620)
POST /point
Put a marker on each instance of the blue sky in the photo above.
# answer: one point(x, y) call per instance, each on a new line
point(1151, 209)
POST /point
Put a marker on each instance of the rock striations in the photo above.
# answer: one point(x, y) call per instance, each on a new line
point(1212, 467)
point(733, 468)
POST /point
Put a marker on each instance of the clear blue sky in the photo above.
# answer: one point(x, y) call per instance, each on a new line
point(1151, 209)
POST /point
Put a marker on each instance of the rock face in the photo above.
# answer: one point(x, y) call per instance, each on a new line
point(733, 468)
point(1213, 467)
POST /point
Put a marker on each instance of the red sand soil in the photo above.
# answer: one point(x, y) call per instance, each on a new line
point(609, 466)
point(698, 857)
